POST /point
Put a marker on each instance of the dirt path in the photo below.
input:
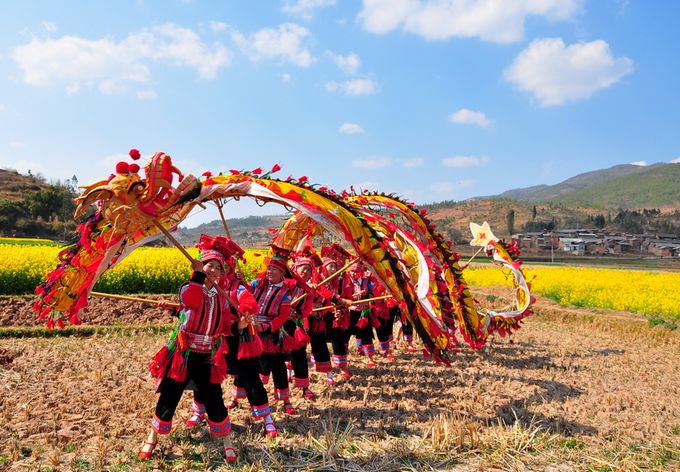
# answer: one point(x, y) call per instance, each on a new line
point(574, 389)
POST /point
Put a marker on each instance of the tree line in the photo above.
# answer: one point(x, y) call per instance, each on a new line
point(44, 213)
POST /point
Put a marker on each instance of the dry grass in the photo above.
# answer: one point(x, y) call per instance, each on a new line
point(575, 389)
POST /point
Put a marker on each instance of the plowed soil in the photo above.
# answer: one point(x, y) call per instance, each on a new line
point(574, 389)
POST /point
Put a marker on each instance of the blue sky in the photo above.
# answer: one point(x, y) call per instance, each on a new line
point(432, 100)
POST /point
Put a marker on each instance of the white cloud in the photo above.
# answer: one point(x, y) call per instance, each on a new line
point(286, 77)
point(2, 107)
point(555, 73)
point(412, 163)
point(287, 43)
point(17, 145)
point(367, 185)
point(49, 26)
point(305, 8)
point(443, 188)
point(217, 26)
point(112, 87)
point(147, 95)
point(489, 20)
point(676, 160)
point(349, 64)
point(73, 61)
point(449, 189)
point(352, 87)
point(469, 117)
point(465, 161)
point(377, 162)
point(640, 163)
point(350, 128)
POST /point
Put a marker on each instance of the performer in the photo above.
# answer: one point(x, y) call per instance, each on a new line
point(360, 313)
point(407, 332)
point(196, 350)
point(272, 292)
point(242, 356)
point(383, 315)
point(338, 318)
point(298, 324)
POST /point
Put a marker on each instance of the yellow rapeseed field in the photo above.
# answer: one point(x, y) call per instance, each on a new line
point(654, 293)
point(145, 270)
point(163, 270)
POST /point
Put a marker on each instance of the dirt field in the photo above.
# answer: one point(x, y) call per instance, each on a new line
point(575, 389)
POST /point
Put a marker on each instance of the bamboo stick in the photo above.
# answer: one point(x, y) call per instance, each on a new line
point(366, 300)
point(328, 279)
point(133, 299)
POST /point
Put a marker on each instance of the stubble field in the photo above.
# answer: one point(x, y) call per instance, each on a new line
point(574, 389)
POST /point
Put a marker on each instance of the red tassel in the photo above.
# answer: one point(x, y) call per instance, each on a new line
point(289, 343)
point(301, 337)
point(178, 369)
point(362, 323)
point(268, 346)
point(218, 370)
point(250, 349)
point(159, 362)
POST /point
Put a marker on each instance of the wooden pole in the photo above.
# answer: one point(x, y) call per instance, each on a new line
point(382, 297)
point(473, 256)
point(132, 299)
point(328, 279)
point(218, 203)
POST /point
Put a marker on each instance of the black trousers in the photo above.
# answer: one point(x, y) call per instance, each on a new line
point(198, 371)
point(319, 347)
point(275, 365)
point(298, 358)
point(248, 378)
point(386, 326)
point(407, 328)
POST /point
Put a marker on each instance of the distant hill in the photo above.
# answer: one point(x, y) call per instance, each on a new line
point(623, 186)
point(251, 231)
point(32, 207)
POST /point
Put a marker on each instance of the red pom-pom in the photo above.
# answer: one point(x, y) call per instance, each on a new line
point(276, 168)
point(134, 168)
point(303, 179)
point(134, 154)
point(257, 171)
point(207, 174)
point(122, 168)
point(234, 172)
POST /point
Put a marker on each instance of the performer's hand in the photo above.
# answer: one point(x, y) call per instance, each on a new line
point(243, 322)
point(344, 302)
point(164, 305)
point(196, 265)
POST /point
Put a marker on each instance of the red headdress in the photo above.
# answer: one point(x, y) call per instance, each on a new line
point(220, 248)
point(280, 258)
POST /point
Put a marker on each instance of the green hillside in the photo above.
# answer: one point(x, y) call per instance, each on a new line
point(655, 187)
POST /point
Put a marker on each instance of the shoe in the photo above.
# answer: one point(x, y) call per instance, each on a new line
point(330, 381)
point(195, 420)
point(389, 356)
point(289, 409)
point(146, 455)
point(270, 430)
point(230, 454)
point(307, 393)
point(232, 404)
point(346, 374)
point(410, 348)
point(370, 363)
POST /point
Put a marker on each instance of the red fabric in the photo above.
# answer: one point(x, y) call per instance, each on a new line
point(247, 303)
